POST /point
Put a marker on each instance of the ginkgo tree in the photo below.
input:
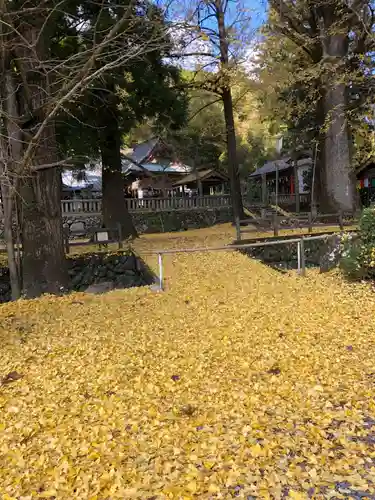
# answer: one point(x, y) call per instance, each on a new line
point(223, 26)
point(330, 51)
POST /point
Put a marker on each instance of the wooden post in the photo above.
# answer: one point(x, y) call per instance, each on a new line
point(275, 221)
point(264, 189)
point(277, 185)
point(200, 188)
point(310, 222)
point(119, 233)
point(341, 220)
point(296, 185)
point(238, 229)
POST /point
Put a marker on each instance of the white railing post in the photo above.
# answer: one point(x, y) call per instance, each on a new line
point(89, 206)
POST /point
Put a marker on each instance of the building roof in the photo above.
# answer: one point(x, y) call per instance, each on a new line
point(271, 166)
point(142, 151)
point(171, 168)
point(133, 161)
point(140, 159)
point(282, 164)
point(74, 180)
point(370, 163)
point(201, 175)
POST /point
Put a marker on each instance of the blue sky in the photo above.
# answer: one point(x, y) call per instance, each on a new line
point(252, 10)
point(256, 8)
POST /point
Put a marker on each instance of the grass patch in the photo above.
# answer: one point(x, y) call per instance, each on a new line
point(237, 381)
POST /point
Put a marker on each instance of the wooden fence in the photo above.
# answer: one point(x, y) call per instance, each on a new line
point(289, 200)
point(307, 221)
point(79, 207)
point(94, 207)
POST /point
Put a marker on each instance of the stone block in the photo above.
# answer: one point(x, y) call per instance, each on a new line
point(331, 254)
point(98, 288)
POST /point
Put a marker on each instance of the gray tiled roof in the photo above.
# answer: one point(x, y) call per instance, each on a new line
point(270, 166)
point(281, 164)
point(142, 151)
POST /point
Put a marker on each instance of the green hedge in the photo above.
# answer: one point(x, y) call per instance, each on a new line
point(358, 256)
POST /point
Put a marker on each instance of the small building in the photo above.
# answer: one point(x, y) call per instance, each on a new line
point(282, 173)
point(366, 182)
point(151, 169)
point(82, 183)
point(284, 182)
point(203, 182)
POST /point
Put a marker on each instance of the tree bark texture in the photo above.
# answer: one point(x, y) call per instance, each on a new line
point(11, 146)
point(327, 41)
point(115, 211)
point(14, 277)
point(226, 95)
point(44, 267)
point(339, 177)
point(235, 185)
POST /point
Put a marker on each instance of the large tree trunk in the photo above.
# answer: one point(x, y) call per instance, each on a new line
point(44, 267)
point(11, 147)
point(338, 179)
point(226, 95)
point(330, 29)
point(235, 185)
point(115, 211)
point(14, 277)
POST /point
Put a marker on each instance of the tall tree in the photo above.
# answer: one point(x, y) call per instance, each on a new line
point(201, 142)
point(147, 87)
point(44, 83)
point(214, 22)
point(336, 39)
point(219, 8)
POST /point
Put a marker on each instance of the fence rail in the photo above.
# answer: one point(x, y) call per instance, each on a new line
point(79, 207)
point(300, 242)
point(281, 222)
point(289, 199)
point(94, 206)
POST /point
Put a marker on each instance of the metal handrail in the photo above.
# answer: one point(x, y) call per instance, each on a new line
point(301, 264)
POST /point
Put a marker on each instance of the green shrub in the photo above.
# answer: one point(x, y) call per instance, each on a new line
point(367, 226)
point(358, 256)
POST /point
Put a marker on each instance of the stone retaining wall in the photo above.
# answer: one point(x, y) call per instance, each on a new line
point(158, 222)
point(284, 256)
point(163, 222)
point(115, 270)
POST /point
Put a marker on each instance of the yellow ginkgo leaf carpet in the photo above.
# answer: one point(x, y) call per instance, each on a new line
point(237, 381)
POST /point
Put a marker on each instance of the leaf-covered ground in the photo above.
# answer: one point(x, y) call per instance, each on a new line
point(237, 381)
